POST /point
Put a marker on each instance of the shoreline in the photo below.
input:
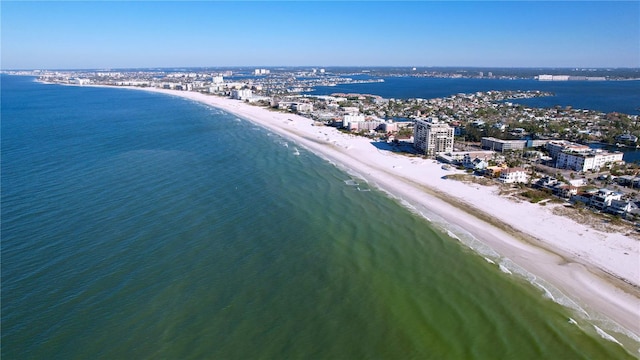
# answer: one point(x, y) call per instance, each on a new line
point(597, 272)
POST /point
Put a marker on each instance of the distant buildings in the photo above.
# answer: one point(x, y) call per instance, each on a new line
point(219, 79)
point(79, 81)
point(546, 77)
point(431, 137)
point(243, 94)
point(369, 125)
point(627, 138)
point(297, 106)
point(349, 119)
point(302, 107)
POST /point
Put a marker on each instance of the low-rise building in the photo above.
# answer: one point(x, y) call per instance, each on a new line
point(627, 138)
point(351, 118)
point(594, 160)
point(302, 107)
point(603, 198)
point(494, 171)
point(555, 147)
point(475, 164)
point(621, 207)
point(582, 197)
point(502, 145)
point(546, 182)
point(564, 190)
point(513, 175)
point(242, 94)
point(477, 160)
point(368, 125)
point(533, 143)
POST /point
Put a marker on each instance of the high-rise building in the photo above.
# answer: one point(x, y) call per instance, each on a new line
point(431, 137)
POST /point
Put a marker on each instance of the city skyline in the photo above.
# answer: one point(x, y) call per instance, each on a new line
point(82, 35)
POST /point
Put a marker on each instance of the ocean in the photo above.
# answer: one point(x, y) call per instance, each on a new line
point(137, 225)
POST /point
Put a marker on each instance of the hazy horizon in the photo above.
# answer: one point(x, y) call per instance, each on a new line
point(364, 67)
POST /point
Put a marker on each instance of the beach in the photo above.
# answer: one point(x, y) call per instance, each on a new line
point(598, 271)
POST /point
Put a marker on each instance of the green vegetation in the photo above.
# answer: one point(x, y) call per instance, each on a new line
point(535, 196)
point(467, 178)
point(404, 133)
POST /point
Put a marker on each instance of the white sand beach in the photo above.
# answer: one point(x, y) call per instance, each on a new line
point(597, 270)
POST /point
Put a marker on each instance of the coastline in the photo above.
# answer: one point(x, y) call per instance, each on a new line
point(599, 272)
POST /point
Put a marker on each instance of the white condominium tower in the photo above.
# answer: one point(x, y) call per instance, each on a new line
point(431, 137)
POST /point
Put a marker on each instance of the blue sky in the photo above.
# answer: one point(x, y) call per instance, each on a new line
point(73, 35)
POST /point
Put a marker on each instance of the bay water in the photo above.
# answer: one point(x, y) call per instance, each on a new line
point(137, 225)
point(606, 96)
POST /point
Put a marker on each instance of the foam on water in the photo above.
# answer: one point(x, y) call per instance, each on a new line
point(606, 336)
point(505, 265)
point(452, 235)
point(505, 270)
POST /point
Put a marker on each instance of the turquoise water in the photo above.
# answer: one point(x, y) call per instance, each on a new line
point(136, 225)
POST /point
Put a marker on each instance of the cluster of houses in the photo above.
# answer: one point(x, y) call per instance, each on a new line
point(556, 187)
point(604, 200)
point(480, 163)
point(608, 201)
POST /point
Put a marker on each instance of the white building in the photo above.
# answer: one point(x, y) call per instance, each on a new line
point(370, 125)
point(513, 175)
point(79, 81)
point(594, 160)
point(302, 107)
point(494, 144)
point(431, 137)
point(621, 207)
point(243, 94)
point(555, 147)
point(546, 77)
point(346, 119)
point(219, 79)
point(351, 110)
point(603, 198)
